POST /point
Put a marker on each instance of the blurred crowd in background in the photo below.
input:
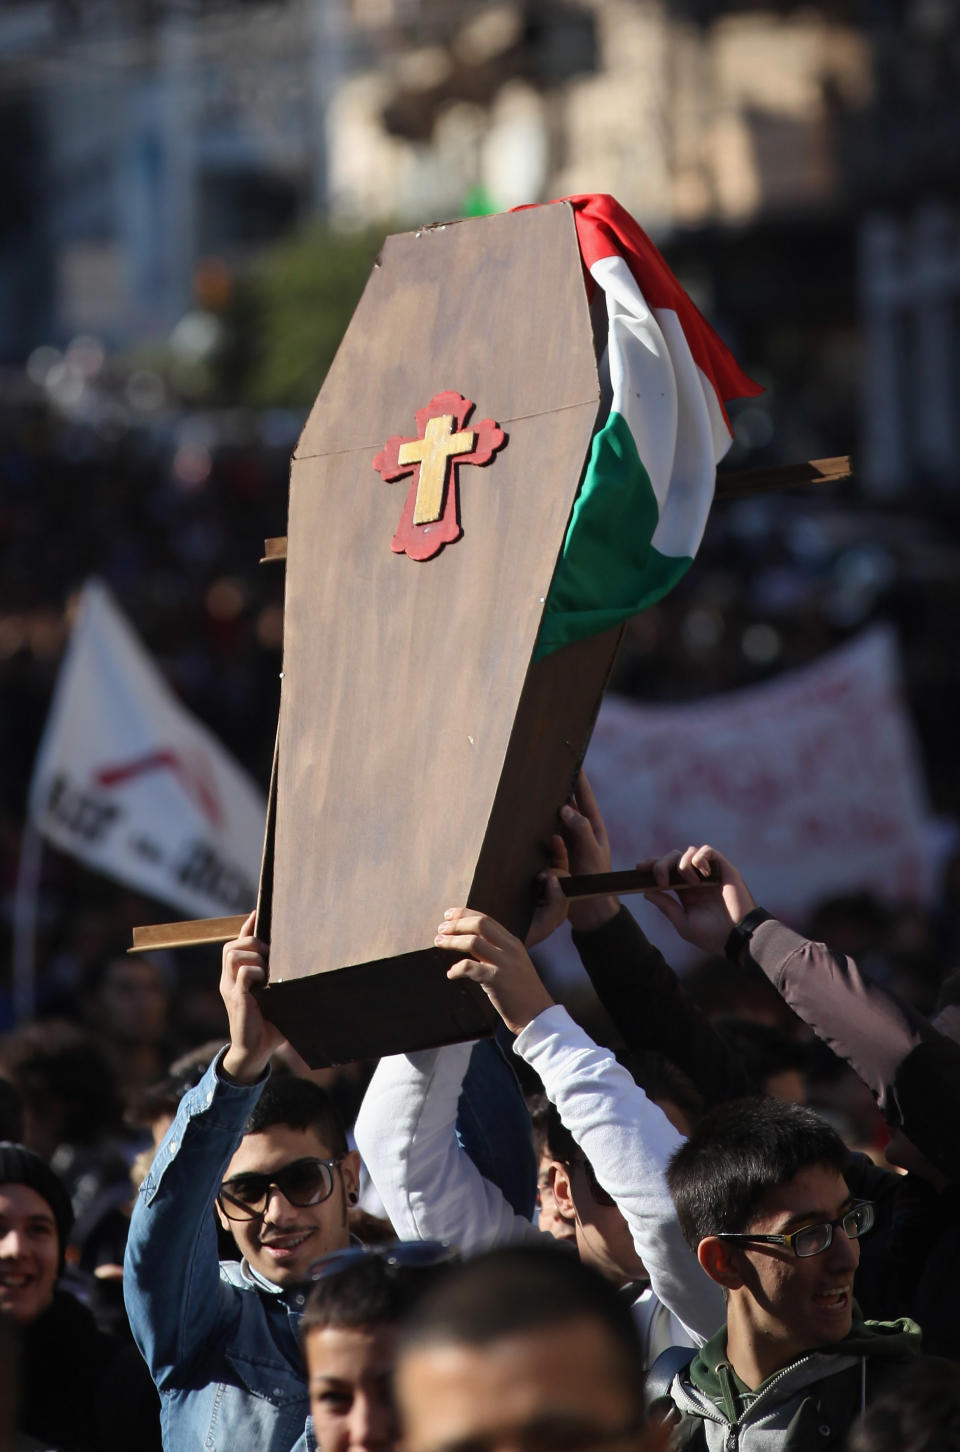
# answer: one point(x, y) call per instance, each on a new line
point(156, 457)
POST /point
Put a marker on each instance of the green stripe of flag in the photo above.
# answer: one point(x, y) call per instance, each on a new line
point(608, 570)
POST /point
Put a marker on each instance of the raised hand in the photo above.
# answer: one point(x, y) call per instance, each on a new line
point(705, 916)
point(588, 847)
point(498, 962)
point(252, 1037)
point(552, 909)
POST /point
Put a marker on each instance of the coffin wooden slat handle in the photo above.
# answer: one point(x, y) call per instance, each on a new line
point(734, 484)
point(637, 879)
point(187, 934)
point(738, 483)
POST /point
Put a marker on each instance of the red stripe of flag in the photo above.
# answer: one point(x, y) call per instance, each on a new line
point(605, 229)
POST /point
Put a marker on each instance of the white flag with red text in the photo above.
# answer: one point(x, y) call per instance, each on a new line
point(811, 783)
point(132, 784)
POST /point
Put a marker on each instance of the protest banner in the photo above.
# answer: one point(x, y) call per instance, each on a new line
point(129, 782)
point(810, 783)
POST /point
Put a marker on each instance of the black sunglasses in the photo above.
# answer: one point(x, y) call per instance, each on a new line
point(402, 1254)
point(302, 1182)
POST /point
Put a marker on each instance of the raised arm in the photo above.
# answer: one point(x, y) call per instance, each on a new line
point(625, 1137)
point(175, 1300)
point(415, 1145)
point(406, 1132)
point(638, 989)
point(911, 1068)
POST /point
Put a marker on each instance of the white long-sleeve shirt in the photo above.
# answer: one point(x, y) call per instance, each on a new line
point(406, 1133)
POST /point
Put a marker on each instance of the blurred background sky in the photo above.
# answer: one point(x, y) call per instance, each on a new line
point(193, 192)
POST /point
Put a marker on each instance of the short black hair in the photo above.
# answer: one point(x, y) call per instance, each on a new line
point(164, 1095)
point(57, 1067)
point(550, 1135)
point(522, 1288)
point(298, 1104)
point(762, 1049)
point(737, 1153)
point(660, 1078)
point(372, 1292)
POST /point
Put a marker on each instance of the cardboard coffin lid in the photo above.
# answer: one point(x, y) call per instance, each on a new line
point(402, 679)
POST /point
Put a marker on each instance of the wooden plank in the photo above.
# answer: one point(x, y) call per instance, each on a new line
point(731, 484)
point(458, 311)
point(737, 483)
point(265, 893)
point(186, 934)
point(369, 1009)
point(554, 722)
point(634, 879)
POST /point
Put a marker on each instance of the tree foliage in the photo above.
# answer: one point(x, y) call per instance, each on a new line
point(289, 313)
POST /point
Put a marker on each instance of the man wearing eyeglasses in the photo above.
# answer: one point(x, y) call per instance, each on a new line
point(269, 1158)
point(761, 1198)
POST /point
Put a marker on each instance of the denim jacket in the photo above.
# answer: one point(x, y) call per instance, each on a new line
point(221, 1342)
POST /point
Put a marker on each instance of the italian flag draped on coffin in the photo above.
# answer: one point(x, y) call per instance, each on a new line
point(640, 514)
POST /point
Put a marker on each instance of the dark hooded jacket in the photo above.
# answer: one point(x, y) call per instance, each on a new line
point(807, 1405)
point(81, 1390)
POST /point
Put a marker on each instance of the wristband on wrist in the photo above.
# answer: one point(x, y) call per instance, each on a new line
point(742, 932)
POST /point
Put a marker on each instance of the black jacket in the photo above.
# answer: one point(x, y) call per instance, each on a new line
point(80, 1390)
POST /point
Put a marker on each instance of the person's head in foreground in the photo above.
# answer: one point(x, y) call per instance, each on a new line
point(525, 1349)
point(920, 1414)
point(349, 1335)
point(35, 1220)
point(287, 1191)
point(761, 1198)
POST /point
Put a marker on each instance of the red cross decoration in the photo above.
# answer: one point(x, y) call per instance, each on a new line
point(431, 513)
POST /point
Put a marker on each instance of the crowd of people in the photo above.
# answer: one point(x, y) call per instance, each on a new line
point(543, 1242)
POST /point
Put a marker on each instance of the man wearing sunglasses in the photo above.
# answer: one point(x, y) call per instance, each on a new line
point(761, 1198)
point(269, 1159)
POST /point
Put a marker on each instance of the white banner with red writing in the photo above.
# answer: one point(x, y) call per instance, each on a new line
point(811, 784)
point(129, 782)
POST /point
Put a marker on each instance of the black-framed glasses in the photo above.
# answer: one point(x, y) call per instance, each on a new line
point(302, 1182)
point(400, 1255)
point(600, 1195)
point(813, 1239)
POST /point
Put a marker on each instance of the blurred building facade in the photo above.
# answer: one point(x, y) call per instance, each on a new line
point(687, 120)
point(144, 138)
point(798, 164)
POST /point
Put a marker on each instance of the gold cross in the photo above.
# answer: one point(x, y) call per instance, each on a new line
point(431, 453)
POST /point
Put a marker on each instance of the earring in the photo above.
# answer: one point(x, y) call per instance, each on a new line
point(353, 1197)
